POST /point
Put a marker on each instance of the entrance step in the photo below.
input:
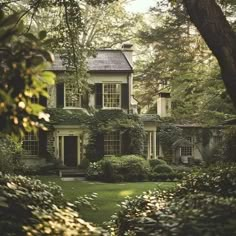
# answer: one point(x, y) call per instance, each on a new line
point(72, 173)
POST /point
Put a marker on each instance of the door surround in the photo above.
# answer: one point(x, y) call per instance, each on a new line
point(60, 134)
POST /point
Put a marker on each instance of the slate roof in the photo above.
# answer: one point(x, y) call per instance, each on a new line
point(103, 61)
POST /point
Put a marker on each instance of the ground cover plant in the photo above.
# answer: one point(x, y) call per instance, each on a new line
point(203, 204)
point(109, 195)
point(29, 207)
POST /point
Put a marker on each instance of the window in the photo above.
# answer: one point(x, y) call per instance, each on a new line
point(72, 95)
point(217, 139)
point(111, 95)
point(112, 143)
point(188, 149)
point(31, 144)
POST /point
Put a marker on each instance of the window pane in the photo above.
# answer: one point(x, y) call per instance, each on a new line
point(188, 149)
point(112, 143)
point(31, 144)
point(72, 95)
point(111, 95)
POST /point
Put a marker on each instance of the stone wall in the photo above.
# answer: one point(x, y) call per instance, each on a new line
point(51, 143)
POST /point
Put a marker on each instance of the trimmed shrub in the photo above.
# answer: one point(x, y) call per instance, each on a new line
point(155, 162)
point(28, 207)
point(163, 169)
point(118, 169)
point(164, 176)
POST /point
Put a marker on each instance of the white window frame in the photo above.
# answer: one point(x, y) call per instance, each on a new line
point(103, 95)
point(78, 106)
point(112, 146)
point(32, 146)
point(187, 150)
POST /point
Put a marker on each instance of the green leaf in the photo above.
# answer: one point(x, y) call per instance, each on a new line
point(49, 77)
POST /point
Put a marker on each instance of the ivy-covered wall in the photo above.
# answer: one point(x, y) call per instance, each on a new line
point(129, 125)
point(97, 123)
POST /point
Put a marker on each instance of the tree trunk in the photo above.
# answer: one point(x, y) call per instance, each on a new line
point(212, 24)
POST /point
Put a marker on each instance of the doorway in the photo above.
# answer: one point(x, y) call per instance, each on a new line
point(70, 151)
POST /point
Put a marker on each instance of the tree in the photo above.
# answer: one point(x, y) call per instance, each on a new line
point(217, 32)
point(67, 20)
point(24, 60)
point(180, 58)
point(23, 76)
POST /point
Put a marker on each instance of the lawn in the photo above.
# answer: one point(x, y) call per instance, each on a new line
point(109, 194)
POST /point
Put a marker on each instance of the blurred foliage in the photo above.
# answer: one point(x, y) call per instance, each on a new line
point(28, 207)
point(23, 76)
point(203, 204)
point(10, 155)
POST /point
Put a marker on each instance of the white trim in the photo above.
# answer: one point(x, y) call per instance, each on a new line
point(78, 150)
point(120, 94)
point(71, 107)
point(109, 143)
point(62, 131)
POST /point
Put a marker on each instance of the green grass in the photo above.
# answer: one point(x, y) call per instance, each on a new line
point(109, 194)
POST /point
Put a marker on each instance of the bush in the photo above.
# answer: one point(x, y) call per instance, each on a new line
point(28, 207)
point(94, 171)
point(164, 176)
point(154, 162)
point(10, 156)
point(156, 213)
point(163, 169)
point(118, 169)
point(204, 204)
point(219, 180)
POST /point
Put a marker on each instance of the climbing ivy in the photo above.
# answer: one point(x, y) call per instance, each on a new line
point(96, 123)
point(168, 135)
point(116, 120)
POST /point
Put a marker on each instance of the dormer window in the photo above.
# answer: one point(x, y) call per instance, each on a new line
point(72, 96)
point(111, 95)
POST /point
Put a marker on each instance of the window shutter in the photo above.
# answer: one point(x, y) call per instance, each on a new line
point(42, 135)
point(98, 95)
point(100, 146)
point(60, 95)
point(85, 100)
point(125, 96)
point(125, 143)
point(43, 101)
